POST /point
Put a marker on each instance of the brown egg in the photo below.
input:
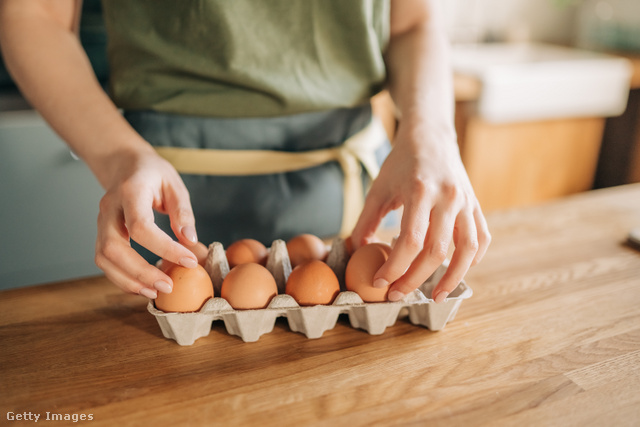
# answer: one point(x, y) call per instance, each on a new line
point(306, 247)
point(362, 266)
point(192, 287)
point(201, 251)
point(348, 244)
point(246, 250)
point(249, 286)
point(313, 283)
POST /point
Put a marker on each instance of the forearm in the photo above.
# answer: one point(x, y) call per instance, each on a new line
point(419, 75)
point(47, 62)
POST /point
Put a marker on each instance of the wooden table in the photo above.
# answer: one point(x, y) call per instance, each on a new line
point(550, 337)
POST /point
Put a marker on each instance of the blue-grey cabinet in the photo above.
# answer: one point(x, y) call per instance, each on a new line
point(48, 205)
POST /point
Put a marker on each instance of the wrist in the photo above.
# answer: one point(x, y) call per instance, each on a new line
point(108, 161)
point(425, 130)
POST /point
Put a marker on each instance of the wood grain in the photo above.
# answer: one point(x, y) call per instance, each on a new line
point(551, 337)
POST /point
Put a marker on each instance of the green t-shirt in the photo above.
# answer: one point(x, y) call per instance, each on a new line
point(245, 58)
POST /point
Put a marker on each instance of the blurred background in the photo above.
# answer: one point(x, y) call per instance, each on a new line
point(547, 105)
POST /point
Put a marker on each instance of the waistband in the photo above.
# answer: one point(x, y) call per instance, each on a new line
point(297, 132)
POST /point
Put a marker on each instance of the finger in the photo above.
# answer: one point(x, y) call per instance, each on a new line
point(484, 236)
point(421, 269)
point(111, 218)
point(370, 218)
point(466, 249)
point(132, 264)
point(125, 282)
point(433, 253)
point(178, 206)
point(113, 246)
point(142, 228)
point(413, 230)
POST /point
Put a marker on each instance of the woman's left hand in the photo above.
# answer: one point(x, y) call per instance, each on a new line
point(424, 175)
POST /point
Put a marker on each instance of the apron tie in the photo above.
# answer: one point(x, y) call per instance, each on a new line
point(358, 149)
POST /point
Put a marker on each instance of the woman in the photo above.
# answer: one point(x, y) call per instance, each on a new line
point(282, 76)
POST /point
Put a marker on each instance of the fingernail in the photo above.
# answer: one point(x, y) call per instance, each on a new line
point(188, 262)
point(371, 239)
point(380, 283)
point(189, 232)
point(163, 286)
point(149, 293)
point(395, 296)
point(440, 296)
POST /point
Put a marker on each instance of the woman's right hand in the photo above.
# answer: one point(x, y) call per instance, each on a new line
point(142, 183)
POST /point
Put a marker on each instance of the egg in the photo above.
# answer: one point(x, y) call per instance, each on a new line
point(362, 266)
point(348, 245)
point(246, 250)
point(201, 252)
point(192, 287)
point(249, 286)
point(306, 247)
point(313, 283)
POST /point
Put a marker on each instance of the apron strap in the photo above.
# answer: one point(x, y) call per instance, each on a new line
point(358, 149)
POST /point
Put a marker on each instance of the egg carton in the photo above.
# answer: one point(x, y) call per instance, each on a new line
point(312, 321)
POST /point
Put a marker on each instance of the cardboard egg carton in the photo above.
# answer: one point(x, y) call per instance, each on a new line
point(312, 321)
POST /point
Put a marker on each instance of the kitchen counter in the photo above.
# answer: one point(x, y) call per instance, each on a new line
point(551, 336)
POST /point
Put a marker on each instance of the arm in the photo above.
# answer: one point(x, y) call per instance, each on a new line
point(45, 58)
point(424, 164)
